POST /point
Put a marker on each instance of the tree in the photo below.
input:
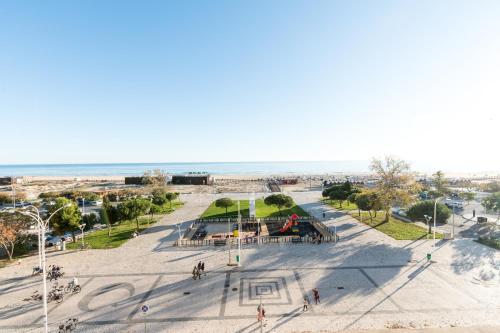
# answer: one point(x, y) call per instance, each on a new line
point(279, 200)
point(159, 200)
point(170, 196)
point(352, 199)
point(67, 219)
point(418, 211)
point(395, 183)
point(155, 209)
point(440, 183)
point(368, 201)
point(13, 231)
point(155, 178)
point(340, 193)
point(468, 196)
point(132, 209)
point(492, 203)
point(103, 214)
point(224, 203)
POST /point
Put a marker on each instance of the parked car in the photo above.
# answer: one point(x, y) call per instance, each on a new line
point(55, 240)
point(450, 204)
point(95, 202)
point(98, 226)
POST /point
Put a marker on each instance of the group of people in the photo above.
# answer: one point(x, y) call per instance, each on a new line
point(316, 299)
point(198, 270)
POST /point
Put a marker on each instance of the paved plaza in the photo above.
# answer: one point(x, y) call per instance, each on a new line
point(366, 281)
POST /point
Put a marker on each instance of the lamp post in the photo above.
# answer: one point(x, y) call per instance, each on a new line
point(179, 228)
point(435, 213)
point(42, 225)
point(82, 226)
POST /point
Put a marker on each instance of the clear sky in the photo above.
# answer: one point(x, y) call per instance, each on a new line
point(162, 81)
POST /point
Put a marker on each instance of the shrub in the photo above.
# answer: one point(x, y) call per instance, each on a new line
point(418, 210)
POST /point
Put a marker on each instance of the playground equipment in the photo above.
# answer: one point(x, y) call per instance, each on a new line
point(292, 220)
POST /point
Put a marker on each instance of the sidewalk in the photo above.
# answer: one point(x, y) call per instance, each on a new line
point(473, 329)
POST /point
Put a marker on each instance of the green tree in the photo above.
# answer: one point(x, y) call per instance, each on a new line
point(340, 193)
point(103, 214)
point(418, 211)
point(368, 201)
point(468, 196)
point(492, 203)
point(133, 208)
point(224, 203)
point(279, 200)
point(395, 183)
point(440, 183)
point(67, 219)
point(170, 196)
point(155, 209)
point(352, 199)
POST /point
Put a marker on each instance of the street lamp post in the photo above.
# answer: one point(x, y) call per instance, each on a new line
point(42, 225)
point(435, 213)
point(179, 228)
point(82, 226)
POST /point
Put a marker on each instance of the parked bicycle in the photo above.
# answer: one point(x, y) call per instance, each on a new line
point(68, 326)
point(34, 297)
point(55, 272)
point(56, 294)
point(37, 270)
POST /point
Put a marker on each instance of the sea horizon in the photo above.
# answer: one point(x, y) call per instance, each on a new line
point(215, 168)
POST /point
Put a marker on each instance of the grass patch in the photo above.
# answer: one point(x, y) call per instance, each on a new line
point(261, 209)
point(493, 243)
point(394, 228)
point(120, 233)
point(346, 205)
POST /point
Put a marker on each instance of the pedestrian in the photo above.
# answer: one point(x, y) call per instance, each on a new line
point(199, 265)
point(316, 296)
point(203, 268)
point(324, 215)
point(306, 304)
point(195, 272)
point(261, 312)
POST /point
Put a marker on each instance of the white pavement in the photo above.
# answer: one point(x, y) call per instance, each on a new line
point(366, 281)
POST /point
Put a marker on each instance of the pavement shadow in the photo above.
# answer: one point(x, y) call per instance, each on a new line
point(472, 256)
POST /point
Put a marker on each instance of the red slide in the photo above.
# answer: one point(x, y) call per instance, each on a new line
point(289, 223)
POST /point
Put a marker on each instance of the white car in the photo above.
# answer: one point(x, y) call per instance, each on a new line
point(95, 202)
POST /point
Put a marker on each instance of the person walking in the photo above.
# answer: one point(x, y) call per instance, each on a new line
point(306, 304)
point(316, 296)
point(203, 268)
point(195, 272)
point(261, 313)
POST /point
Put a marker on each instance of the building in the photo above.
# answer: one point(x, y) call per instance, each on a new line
point(192, 179)
point(9, 180)
point(134, 180)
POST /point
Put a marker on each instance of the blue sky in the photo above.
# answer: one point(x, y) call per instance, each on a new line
point(161, 81)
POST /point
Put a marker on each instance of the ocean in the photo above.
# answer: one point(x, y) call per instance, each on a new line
point(131, 169)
